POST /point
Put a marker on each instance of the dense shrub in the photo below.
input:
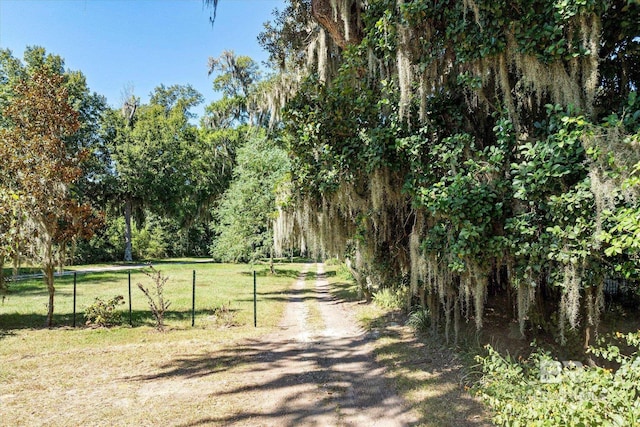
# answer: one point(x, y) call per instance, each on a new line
point(104, 313)
point(419, 320)
point(528, 392)
point(394, 299)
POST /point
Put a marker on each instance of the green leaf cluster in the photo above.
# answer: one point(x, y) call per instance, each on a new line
point(242, 220)
point(519, 395)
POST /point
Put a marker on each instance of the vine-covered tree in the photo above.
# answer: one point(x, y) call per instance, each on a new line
point(467, 149)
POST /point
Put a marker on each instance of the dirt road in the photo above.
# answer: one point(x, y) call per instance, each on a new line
point(316, 369)
point(314, 373)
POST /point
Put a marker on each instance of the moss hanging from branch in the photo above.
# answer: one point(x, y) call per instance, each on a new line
point(458, 141)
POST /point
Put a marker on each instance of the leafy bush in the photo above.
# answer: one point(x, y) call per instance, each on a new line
point(419, 320)
point(520, 392)
point(107, 244)
point(102, 313)
point(150, 241)
point(343, 273)
point(394, 299)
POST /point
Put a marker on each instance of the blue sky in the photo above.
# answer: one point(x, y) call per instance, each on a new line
point(138, 43)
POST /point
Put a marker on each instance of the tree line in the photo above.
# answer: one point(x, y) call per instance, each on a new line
point(82, 182)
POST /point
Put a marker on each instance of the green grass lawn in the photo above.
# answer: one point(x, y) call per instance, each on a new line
point(231, 285)
point(121, 375)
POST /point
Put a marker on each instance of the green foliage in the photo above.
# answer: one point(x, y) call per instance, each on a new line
point(466, 194)
point(236, 75)
point(523, 393)
point(158, 237)
point(343, 273)
point(150, 242)
point(244, 215)
point(623, 235)
point(482, 30)
point(420, 320)
point(151, 156)
point(288, 32)
point(335, 130)
point(104, 313)
point(390, 298)
point(474, 144)
point(160, 163)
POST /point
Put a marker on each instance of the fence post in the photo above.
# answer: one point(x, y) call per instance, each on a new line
point(255, 302)
point(75, 275)
point(193, 301)
point(130, 318)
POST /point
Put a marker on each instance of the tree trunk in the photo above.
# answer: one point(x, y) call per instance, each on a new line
point(62, 249)
point(48, 270)
point(2, 286)
point(127, 231)
point(48, 267)
point(271, 267)
point(16, 260)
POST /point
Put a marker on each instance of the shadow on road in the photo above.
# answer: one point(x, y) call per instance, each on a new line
point(285, 380)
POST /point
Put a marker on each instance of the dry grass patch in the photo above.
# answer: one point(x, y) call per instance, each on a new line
point(136, 376)
point(163, 381)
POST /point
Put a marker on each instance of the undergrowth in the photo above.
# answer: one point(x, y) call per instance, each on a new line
point(419, 320)
point(224, 316)
point(540, 391)
point(157, 302)
point(393, 299)
point(104, 313)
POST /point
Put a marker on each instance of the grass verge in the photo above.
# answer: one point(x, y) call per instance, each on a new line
point(132, 376)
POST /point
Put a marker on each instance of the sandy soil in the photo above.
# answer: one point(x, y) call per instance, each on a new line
point(305, 375)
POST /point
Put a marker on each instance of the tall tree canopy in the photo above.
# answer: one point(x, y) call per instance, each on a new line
point(235, 77)
point(243, 220)
point(162, 163)
point(466, 149)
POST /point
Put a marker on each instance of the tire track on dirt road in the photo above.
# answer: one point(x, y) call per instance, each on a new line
point(306, 376)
